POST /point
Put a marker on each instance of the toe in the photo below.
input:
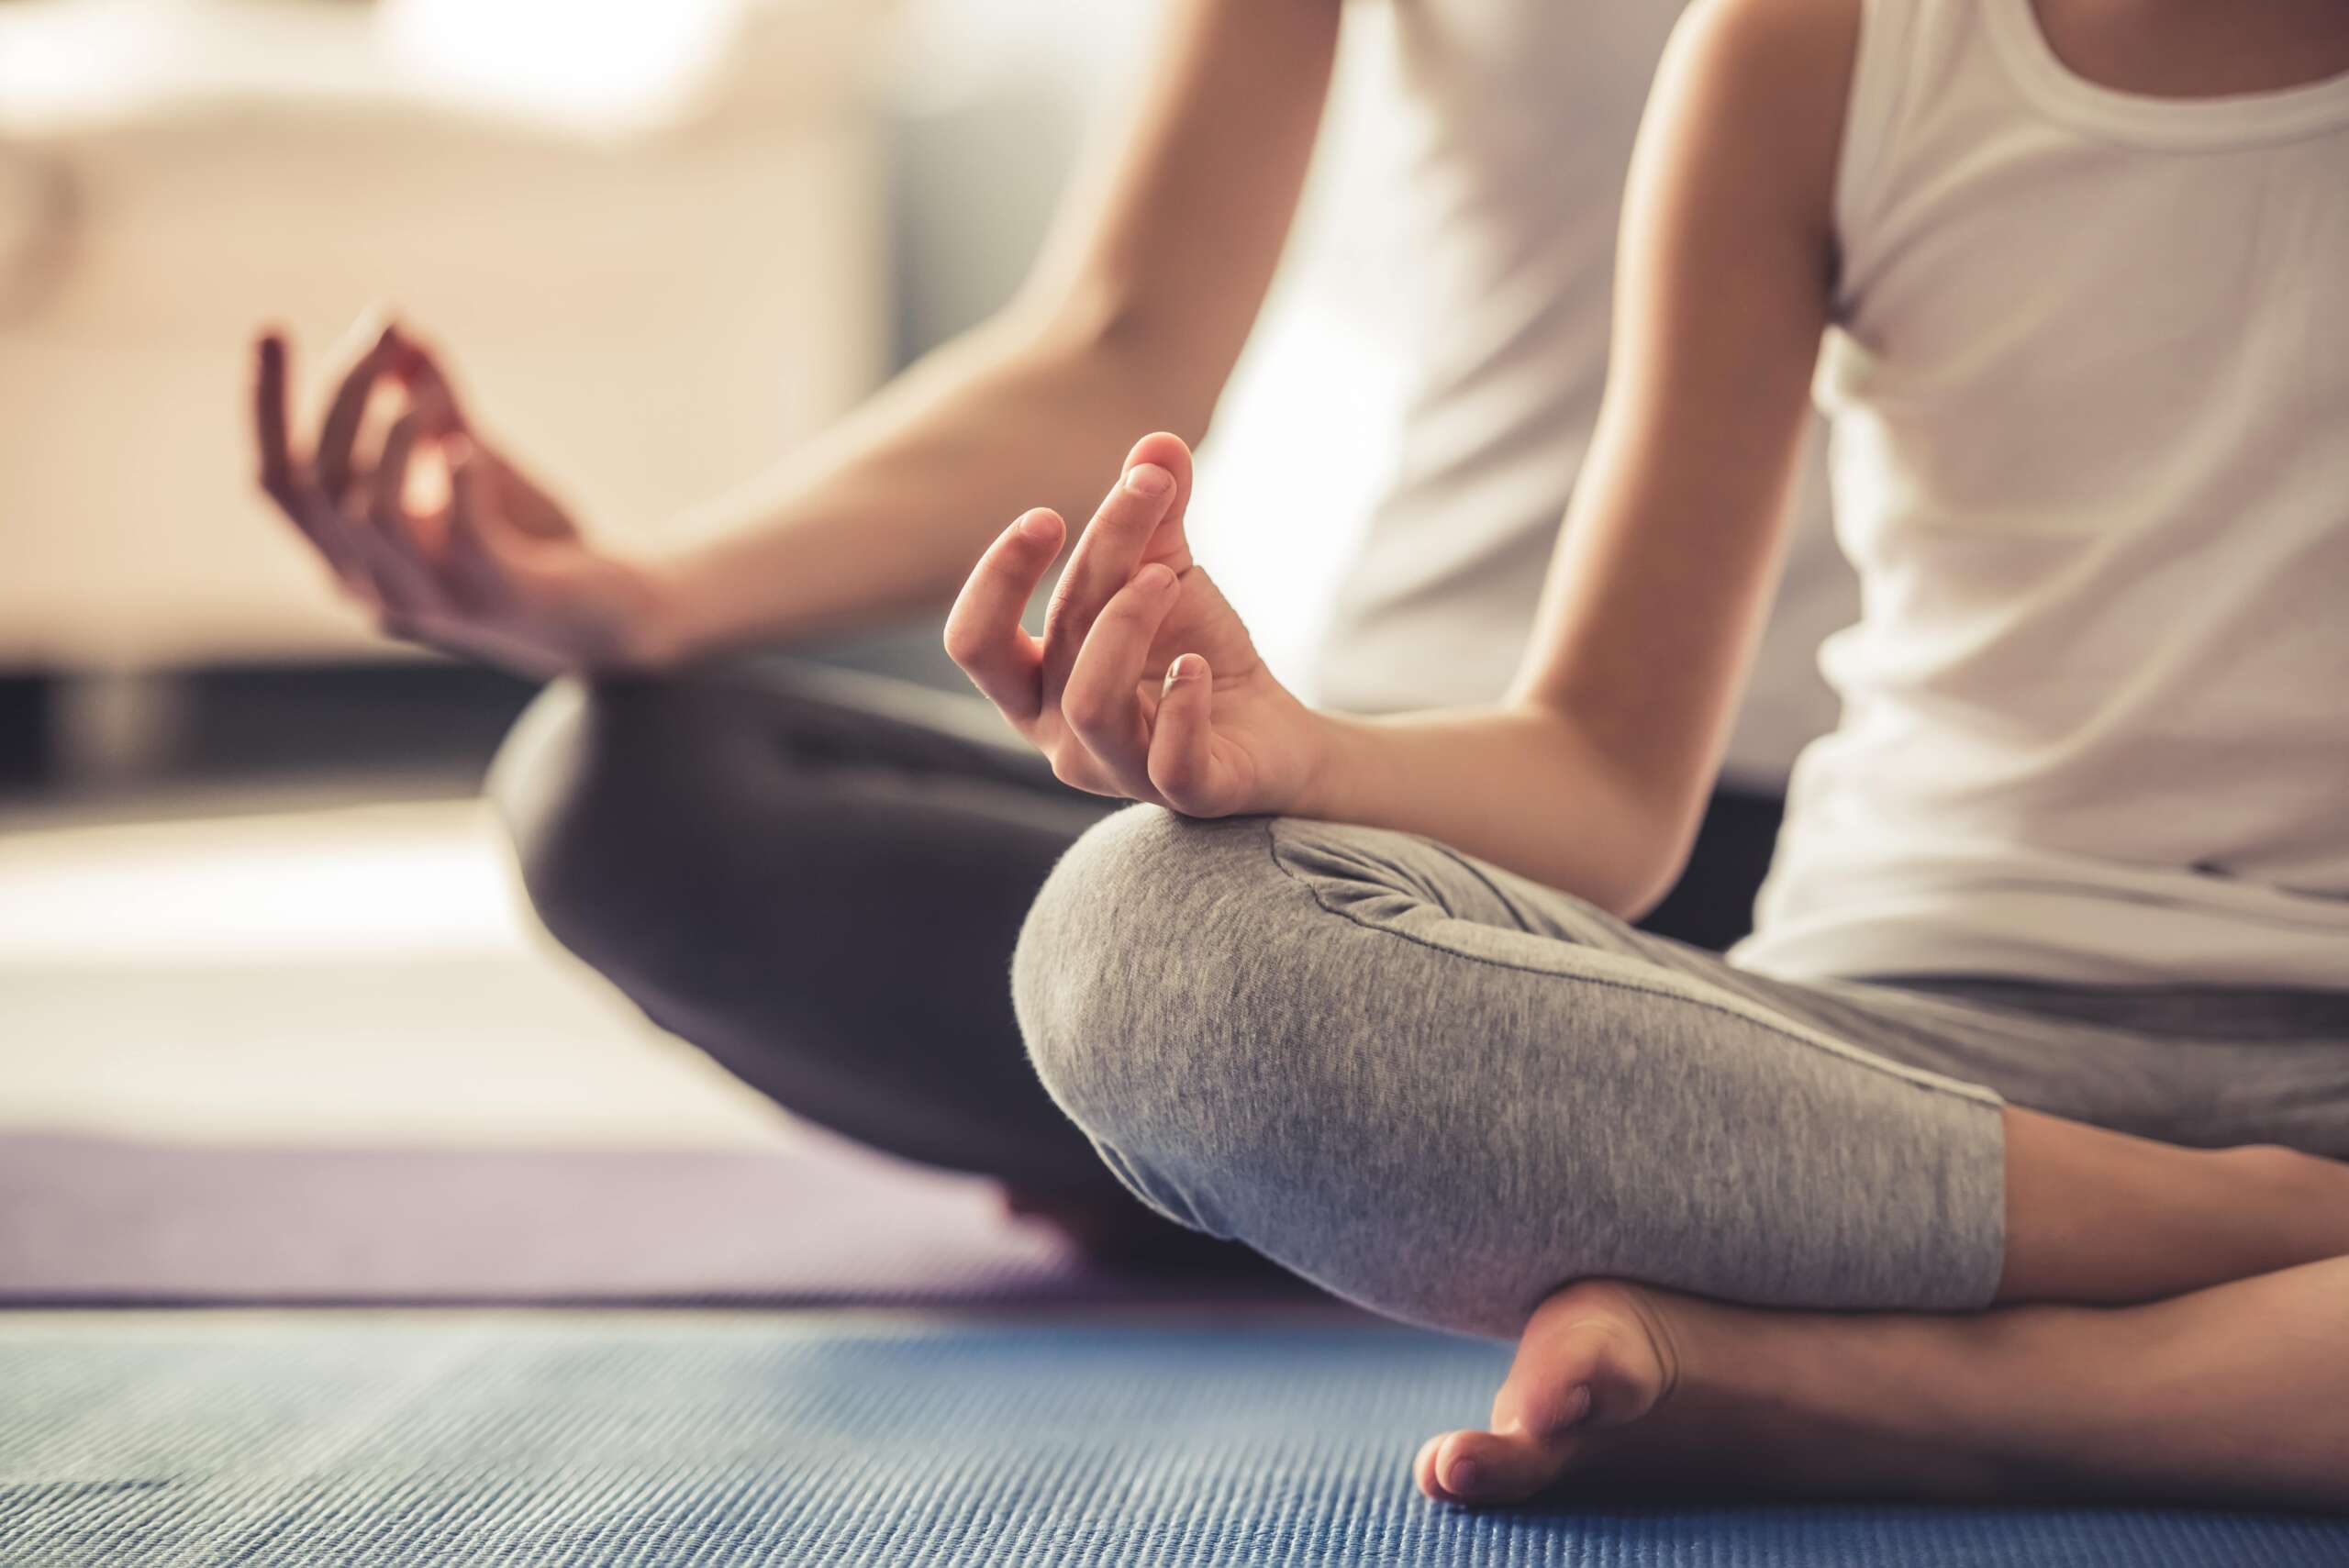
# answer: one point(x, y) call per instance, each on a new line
point(1587, 1367)
point(1423, 1470)
point(1588, 1358)
point(1482, 1469)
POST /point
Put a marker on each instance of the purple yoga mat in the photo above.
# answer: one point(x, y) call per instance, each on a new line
point(90, 1220)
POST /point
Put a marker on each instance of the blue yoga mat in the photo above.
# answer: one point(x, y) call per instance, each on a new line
point(702, 1442)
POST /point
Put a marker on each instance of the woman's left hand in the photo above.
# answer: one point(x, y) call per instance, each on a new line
point(1145, 684)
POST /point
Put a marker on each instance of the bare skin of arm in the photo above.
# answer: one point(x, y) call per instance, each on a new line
point(1131, 318)
point(1593, 775)
point(2171, 1325)
point(2171, 1319)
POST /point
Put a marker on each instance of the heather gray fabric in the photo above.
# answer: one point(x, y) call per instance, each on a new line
point(816, 875)
point(1441, 1090)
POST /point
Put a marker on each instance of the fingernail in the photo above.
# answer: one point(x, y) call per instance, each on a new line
point(1577, 1404)
point(1036, 525)
point(1149, 479)
point(1155, 578)
point(1463, 1478)
point(1186, 667)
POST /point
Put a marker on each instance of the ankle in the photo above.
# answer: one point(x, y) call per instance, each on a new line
point(1857, 1403)
point(2099, 1216)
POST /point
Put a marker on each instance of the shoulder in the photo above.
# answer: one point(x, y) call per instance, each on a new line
point(1788, 42)
point(1765, 83)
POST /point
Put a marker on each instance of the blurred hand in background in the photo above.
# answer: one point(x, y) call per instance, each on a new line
point(430, 527)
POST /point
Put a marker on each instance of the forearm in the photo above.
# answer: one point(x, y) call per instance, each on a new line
point(882, 516)
point(1138, 308)
point(1593, 777)
point(1521, 787)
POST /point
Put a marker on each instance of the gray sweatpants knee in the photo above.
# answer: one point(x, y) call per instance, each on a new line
point(1443, 1092)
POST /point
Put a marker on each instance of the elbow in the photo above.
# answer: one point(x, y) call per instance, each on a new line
point(1664, 847)
point(1646, 886)
point(1635, 824)
point(1153, 368)
point(1640, 867)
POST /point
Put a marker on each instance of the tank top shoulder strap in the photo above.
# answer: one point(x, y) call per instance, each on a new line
point(1910, 53)
point(1879, 73)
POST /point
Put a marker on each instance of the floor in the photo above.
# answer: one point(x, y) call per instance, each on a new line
point(294, 965)
point(311, 956)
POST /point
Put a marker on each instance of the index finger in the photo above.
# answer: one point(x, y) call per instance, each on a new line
point(983, 631)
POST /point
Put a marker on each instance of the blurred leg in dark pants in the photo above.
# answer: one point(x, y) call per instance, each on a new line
point(817, 876)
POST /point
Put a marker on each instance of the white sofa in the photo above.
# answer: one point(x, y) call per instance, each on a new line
point(657, 265)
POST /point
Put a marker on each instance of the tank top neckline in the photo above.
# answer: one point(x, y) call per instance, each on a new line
point(2234, 119)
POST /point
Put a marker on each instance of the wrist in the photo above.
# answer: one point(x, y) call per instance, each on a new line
point(1332, 743)
point(657, 626)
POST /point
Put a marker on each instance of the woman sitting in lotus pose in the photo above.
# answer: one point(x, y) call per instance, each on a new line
point(2003, 1158)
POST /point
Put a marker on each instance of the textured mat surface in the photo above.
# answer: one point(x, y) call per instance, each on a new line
point(135, 1441)
point(89, 1220)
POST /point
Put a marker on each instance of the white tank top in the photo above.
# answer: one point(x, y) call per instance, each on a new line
point(2089, 389)
point(1520, 117)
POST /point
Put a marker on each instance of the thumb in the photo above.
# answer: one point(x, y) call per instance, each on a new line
point(1182, 740)
point(475, 565)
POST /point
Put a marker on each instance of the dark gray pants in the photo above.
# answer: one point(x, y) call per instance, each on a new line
point(817, 876)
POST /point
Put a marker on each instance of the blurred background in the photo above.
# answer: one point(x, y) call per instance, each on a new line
point(246, 892)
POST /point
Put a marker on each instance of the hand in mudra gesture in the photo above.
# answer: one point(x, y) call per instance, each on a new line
point(433, 530)
point(1145, 684)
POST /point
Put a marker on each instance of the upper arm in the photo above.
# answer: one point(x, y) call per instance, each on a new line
point(1669, 555)
point(1167, 241)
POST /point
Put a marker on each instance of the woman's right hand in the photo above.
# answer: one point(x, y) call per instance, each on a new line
point(484, 565)
point(1146, 684)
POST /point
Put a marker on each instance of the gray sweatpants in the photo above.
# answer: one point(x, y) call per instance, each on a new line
point(1441, 1090)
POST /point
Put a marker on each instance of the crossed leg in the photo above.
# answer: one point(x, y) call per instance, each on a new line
point(1747, 1233)
point(2234, 1392)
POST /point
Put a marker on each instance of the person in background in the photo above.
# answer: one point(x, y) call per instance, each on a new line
point(818, 879)
point(2005, 1157)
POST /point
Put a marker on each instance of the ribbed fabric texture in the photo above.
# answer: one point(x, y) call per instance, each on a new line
point(693, 1443)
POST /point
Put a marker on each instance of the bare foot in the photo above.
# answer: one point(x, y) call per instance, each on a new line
point(1630, 1387)
point(1620, 1386)
point(1598, 1360)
